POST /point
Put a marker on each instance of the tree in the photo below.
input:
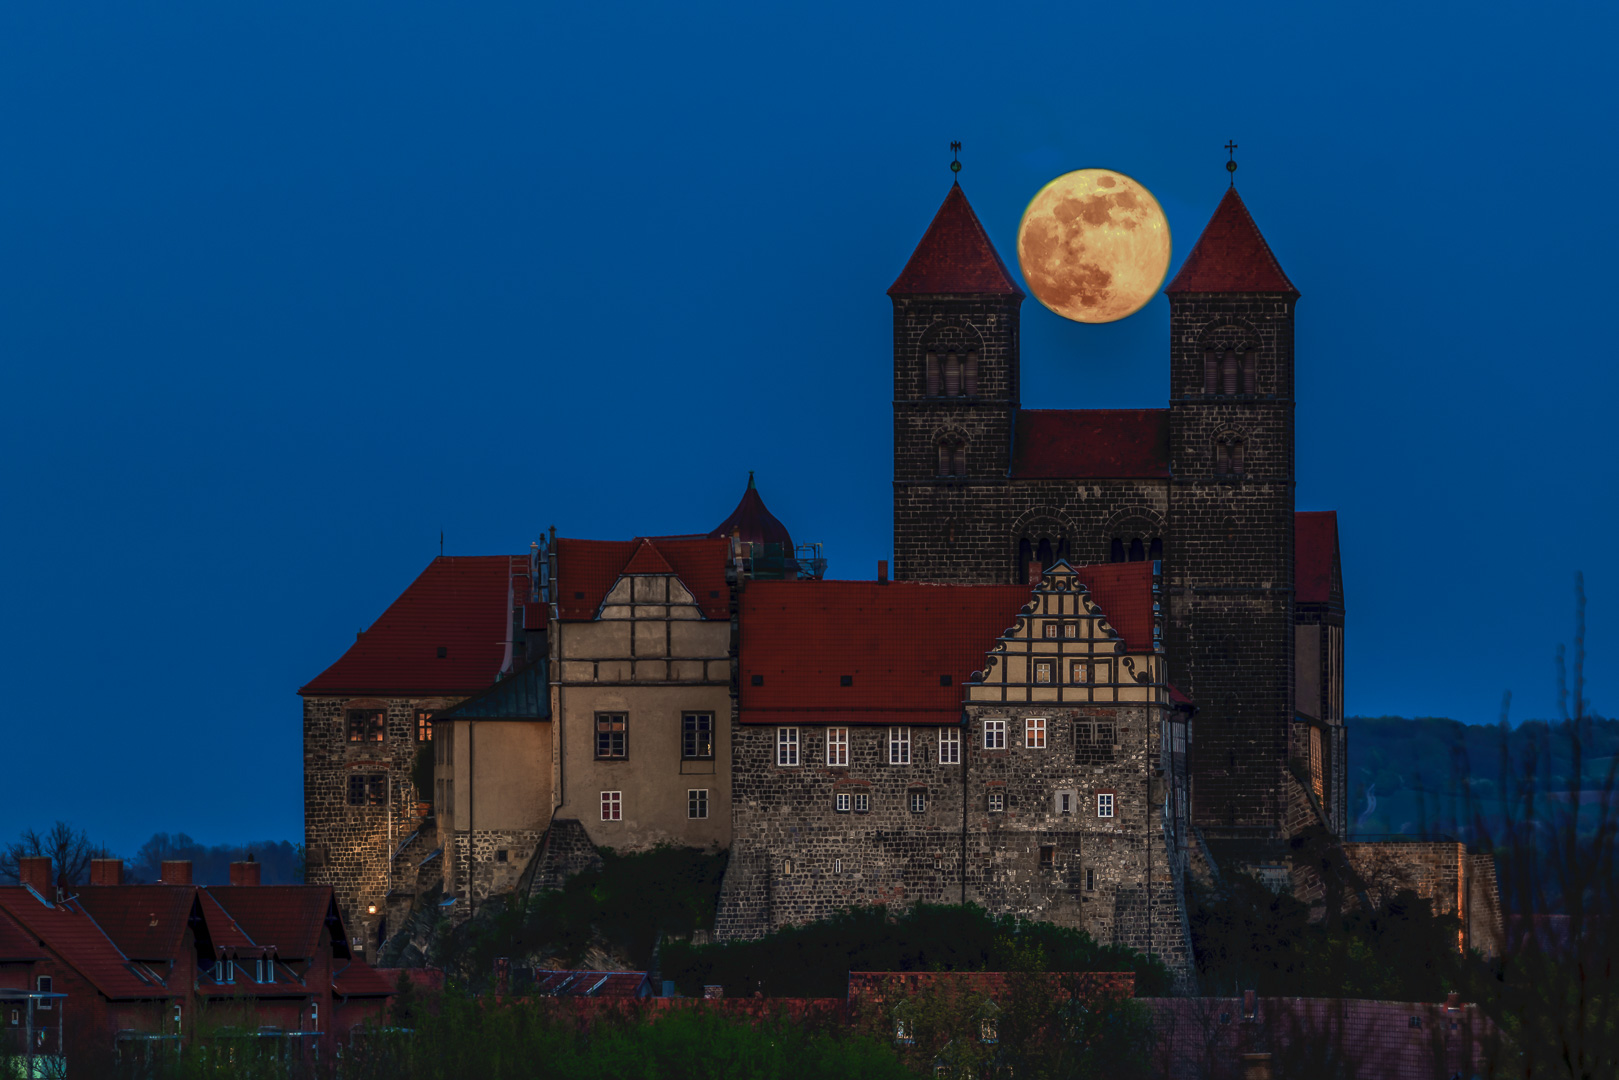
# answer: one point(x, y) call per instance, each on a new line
point(69, 850)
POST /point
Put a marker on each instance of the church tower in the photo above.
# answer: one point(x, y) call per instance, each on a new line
point(955, 398)
point(1229, 566)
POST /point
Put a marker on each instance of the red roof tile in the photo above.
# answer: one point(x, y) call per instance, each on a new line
point(360, 979)
point(647, 560)
point(459, 604)
point(1124, 593)
point(1102, 444)
point(17, 944)
point(1231, 256)
point(754, 523)
point(1315, 546)
point(224, 931)
point(876, 986)
point(74, 936)
point(596, 984)
point(588, 569)
point(288, 917)
point(146, 922)
point(954, 256)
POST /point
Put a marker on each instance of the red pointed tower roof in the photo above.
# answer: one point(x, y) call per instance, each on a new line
point(1231, 256)
point(955, 256)
point(754, 523)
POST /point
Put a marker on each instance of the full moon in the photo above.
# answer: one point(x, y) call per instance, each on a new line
point(1093, 245)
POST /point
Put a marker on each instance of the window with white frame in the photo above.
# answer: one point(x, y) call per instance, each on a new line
point(1051, 630)
point(919, 801)
point(1070, 630)
point(1104, 804)
point(843, 802)
point(949, 746)
point(612, 806)
point(697, 802)
point(787, 746)
point(1043, 671)
point(862, 802)
point(1034, 733)
point(1079, 671)
point(899, 746)
point(1177, 738)
point(997, 802)
point(994, 734)
point(837, 746)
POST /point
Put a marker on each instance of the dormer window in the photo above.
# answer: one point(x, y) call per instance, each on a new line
point(952, 374)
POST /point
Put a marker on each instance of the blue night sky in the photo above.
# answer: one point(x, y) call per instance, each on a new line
point(289, 288)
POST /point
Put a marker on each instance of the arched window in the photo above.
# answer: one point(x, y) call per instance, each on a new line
point(1232, 361)
point(1211, 371)
point(1155, 549)
point(1228, 455)
point(1116, 552)
point(1043, 553)
point(1250, 373)
point(1138, 553)
point(1025, 555)
point(952, 458)
point(952, 374)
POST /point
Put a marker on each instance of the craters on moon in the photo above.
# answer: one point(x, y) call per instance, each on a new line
point(1094, 245)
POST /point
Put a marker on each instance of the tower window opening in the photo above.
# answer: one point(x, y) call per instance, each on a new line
point(1211, 371)
point(952, 376)
point(1250, 373)
point(1138, 553)
point(933, 375)
point(1229, 370)
point(1155, 549)
point(1043, 553)
point(1116, 552)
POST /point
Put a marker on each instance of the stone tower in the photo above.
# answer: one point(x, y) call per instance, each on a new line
point(955, 396)
point(1230, 557)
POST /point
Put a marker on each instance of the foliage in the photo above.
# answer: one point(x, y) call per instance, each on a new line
point(281, 862)
point(814, 960)
point(69, 850)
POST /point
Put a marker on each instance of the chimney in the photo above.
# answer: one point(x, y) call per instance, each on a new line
point(34, 871)
point(1036, 571)
point(106, 871)
point(245, 873)
point(176, 872)
point(882, 571)
point(1453, 1001)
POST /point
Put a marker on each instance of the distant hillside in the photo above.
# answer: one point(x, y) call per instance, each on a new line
point(1432, 775)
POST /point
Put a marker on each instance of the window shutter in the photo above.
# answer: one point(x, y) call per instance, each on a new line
point(959, 468)
point(1236, 458)
point(933, 375)
point(1230, 372)
point(1211, 372)
point(952, 375)
point(944, 459)
point(971, 375)
point(1250, 373)
point(1222, 459)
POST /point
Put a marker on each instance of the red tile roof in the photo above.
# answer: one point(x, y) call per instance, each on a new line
point(895, 641)
point(597, 984)
point(588, 569)
point(74, 936)
point(1102, 444)
point(754, 523)
point(459, 604)
point(954, 256)
point(1315, 544)
point(1231, 256)
point(877, 986)
point(221, 927)
point(17, 944)
point(146, 922)
point(647, 560)
point(288, 917)
point(359, 979)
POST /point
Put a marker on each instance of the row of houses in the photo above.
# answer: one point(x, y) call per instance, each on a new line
point(140, 967)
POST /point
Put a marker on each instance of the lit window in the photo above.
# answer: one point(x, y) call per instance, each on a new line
point(1042, 671)
point(837, 746)
point(697, 735)
point(424, 725)
point(997, 802)
point(787, 867)
point(994, 734)
point(1070, 630)
point(1034, 733)
point(919, 801)
point(612, 736)
point(1079, 672)
point(612, 806)
point(368, 789)
point(1317, 779)
point(366, 725)
point(899, 746)
point(1104, 804)
point(902, 1032)
point(1048, 856)
point(862, 802)
point(988, 1031)
point(843, 802)
point(697, 802)
point(1051, 630)
point(787, 746)
point(949, 746)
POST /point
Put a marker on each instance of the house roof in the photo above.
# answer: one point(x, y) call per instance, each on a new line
point(954, 256)
point(73, 935)
point(878, 985)
point(458, 604)
point(1315, 549)
point(287, 917)
point(1090, 444)
point(523, 695)
point(1231, 256)
point(588, 569)
point(223, 929)
point(895, 641)
point(607, 984)
point(359, 979)
point(146, 922)
point(17, 944)
point(754, 523)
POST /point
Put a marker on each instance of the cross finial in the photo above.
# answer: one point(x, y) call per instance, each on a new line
point(1231, 161)
point(955, 148)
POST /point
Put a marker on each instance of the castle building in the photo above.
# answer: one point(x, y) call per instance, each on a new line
point(983, 488)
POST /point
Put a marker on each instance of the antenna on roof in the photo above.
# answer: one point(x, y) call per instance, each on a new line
point(955, 148)
point(1231, 161)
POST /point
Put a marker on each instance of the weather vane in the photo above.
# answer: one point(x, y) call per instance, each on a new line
point(955, 148)
point(1231, 161)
